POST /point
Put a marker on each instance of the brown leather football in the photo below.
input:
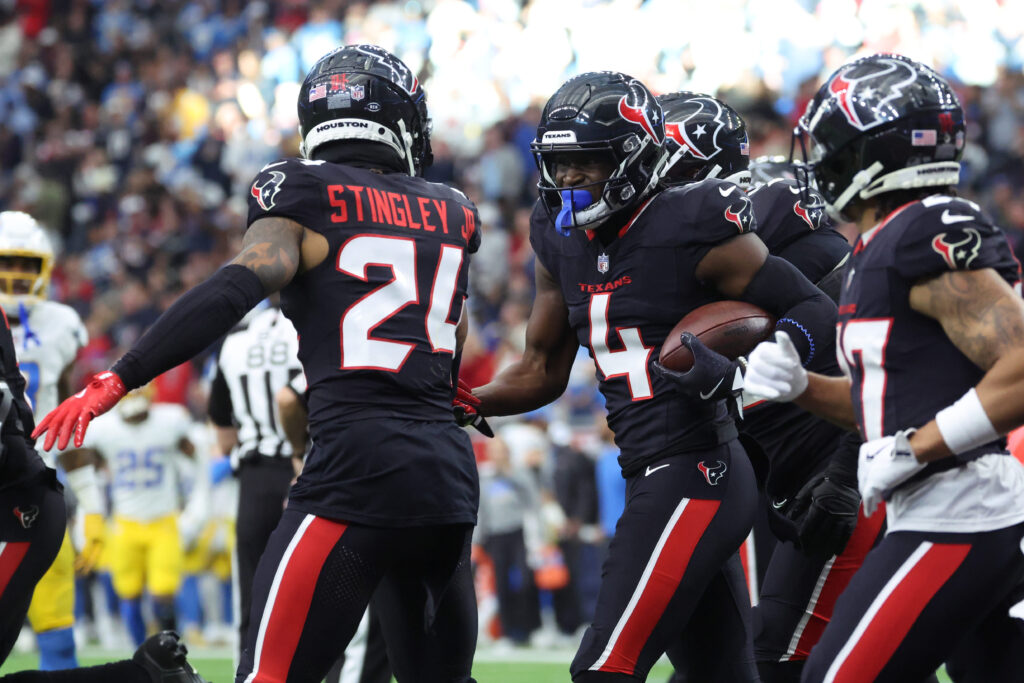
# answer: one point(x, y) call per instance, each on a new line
point(732, 328)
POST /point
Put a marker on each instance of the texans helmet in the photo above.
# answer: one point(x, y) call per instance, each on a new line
point(765, 169)
point(880, 124)
point(603, 112)
point(363, 92)
point(705, 138)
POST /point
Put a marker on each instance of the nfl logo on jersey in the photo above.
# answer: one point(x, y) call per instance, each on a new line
point(602, 263)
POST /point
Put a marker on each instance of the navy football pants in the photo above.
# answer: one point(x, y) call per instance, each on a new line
point(33, 517)
point(316, 578)
point(922, 598)
point(799, 595)
point(673, 581)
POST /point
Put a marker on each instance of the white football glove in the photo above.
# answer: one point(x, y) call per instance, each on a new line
point(884, 464)
point(774, 371)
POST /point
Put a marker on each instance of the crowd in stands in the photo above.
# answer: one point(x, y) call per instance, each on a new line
point(132, 128)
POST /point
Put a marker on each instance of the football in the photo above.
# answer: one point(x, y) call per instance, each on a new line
point(732, 328)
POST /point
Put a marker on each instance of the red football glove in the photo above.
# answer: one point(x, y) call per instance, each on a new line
point(100, 395)
point(465, 405)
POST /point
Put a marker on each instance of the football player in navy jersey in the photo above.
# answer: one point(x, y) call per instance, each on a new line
point(931, 341)
point(371, 261)
point(618, 264)
point(33, 517)
point(809, 473)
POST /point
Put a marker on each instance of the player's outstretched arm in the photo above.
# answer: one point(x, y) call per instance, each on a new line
point(269, 259)
point(543, 372)
point(984, 318)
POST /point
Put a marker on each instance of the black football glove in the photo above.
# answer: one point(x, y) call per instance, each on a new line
point(713, 377)
point(825, 512)
point(464, 407)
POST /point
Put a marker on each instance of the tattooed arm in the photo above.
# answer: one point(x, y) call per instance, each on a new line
point(272, 250)
point(984, 318)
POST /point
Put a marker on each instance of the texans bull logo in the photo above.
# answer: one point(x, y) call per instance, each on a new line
point(740, 214)
point(695, 139)
point(265, 191)
point(958, 253)
point(401, 74)
point(811, 214)
point(861, 91)
point(27, 516)
point(712, 474)
point(633, 107)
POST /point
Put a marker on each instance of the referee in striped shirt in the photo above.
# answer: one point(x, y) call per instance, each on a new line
point(254, 363)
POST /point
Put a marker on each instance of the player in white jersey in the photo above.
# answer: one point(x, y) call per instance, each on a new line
point(47, 336)
point(141, 443)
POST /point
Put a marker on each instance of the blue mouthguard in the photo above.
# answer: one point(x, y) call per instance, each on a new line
point(572, 200)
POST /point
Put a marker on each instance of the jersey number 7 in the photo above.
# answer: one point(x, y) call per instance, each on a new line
point(362, 351)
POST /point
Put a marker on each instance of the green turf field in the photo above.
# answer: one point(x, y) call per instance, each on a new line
point(515, 667)
point(525, 666)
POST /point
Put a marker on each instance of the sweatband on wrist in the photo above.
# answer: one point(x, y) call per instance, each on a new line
point(965, 424)
point(196, 320)
point(84, 482)
point(803, 311)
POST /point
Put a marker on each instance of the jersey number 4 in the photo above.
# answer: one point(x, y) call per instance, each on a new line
point(630, 361)
point(362, 351)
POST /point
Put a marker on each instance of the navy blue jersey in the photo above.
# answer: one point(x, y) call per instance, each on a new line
point(795, 442)
point(903, 367)
point(625, 298)
point(376, 320)
point(793, 224)
point(18, 459)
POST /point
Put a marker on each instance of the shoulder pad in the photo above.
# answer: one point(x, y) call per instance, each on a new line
point(717, 208)
point(944, 233)
point(285, 188)
point(785, 212)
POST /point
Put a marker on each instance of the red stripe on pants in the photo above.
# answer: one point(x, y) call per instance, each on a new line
point(294, 596)
point(845, 566)
point(668, 571)
point(10, 560)
point(898, 613)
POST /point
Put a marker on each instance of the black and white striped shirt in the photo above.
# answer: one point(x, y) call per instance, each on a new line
point(253, 364)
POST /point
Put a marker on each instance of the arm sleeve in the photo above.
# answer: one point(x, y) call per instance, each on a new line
point(802, 310)
point(220, 408)
point(197, 319)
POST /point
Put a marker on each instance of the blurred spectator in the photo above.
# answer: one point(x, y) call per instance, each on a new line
point(509, 503)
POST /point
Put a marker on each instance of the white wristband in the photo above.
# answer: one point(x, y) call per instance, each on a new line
point(86, 485)
point(965, 424)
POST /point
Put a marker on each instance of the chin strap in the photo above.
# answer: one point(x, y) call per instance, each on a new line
point(860, 180)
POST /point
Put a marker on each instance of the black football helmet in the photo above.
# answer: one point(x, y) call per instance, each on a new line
point(880, 124)
point(604, 112)
point(363, 92)
point(765, 169)
point(705, 138)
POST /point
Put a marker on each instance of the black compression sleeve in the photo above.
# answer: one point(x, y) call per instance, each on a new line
point(200, 317)
point(803, 311)
point(219, 407)
point(842, 466)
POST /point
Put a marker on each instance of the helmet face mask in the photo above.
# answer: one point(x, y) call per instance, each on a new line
point(26, 262)
point(608, 117)
point(881, 124)
point(705, 138)
point(363, 92)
